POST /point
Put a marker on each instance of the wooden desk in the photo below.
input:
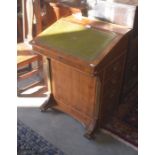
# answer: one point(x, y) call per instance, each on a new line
point(86, 65)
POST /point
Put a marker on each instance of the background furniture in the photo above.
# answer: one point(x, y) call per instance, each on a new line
point(57, 9)
point(28, 62)
point(19, 22)
point(87, 61)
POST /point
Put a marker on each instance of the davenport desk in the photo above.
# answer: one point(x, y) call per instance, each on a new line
point(86, 63)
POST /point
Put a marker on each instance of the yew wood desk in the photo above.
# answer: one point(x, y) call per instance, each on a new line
point(86, 66)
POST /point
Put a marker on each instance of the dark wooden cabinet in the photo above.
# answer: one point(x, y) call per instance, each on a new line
point(87, 59)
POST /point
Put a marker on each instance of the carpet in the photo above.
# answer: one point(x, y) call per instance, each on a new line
point(31, 143)
point(124, 122)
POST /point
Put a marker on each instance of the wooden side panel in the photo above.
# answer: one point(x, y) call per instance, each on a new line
point(74, 89)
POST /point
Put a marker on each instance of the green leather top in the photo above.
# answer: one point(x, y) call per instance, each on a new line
point(74, 39)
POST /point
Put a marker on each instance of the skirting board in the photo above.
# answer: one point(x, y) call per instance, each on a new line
point(119, 139)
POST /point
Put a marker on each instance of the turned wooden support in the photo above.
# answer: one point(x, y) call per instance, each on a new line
point(47, 77)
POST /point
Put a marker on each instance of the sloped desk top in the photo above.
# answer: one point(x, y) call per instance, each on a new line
point(77, 40)
point(83, 44)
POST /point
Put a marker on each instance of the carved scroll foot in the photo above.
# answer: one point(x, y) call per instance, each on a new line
point(47, 104)
point(90, 130)
point(89, 135)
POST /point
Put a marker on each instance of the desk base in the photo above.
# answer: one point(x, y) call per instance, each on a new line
point(50, 103)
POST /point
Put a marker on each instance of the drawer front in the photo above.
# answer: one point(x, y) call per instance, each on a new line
point(131, 76)
point(114, 70)
point(133, 50)
point(111, 87)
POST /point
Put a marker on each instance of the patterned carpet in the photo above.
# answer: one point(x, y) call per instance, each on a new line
point(31, 143)
point(124, 123)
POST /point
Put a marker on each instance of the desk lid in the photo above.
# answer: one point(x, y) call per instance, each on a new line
point(86, 46)
point(76, 40)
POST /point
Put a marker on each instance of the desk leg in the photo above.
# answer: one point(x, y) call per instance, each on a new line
point(89, 134)
point(50, 100)
point(47, 104)
point(94, 123)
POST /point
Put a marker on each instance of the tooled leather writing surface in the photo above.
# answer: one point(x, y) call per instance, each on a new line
point(76, 40)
